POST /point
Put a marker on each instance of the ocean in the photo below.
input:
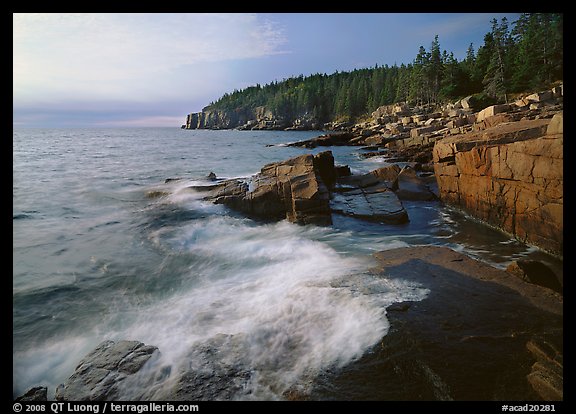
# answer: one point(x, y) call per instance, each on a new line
point(103, 249)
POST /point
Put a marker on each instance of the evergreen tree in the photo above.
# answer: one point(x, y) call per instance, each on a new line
point(527, 57)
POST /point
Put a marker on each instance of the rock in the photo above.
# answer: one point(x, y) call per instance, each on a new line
point(342, 138)
point(373, 203)
point(557, 91)
point(556, 125)
point(455, 113)
point(342, 171)
point(323, 163)
point(171, 180)
point(211, 176)
point(539, 96)
point(419, 118)
point(293, 189)
point(387, 175)
point(98, 375)
point(475, 316)
point(535, 272)
point(369, 196)
point(510, 176)
point(491, 111)
point(522, 103)
point(494, 120)
point(416, 132)
point(34, 394)
point(466, 103)
point(377, 140)
point(547, 375)
point(411, 187)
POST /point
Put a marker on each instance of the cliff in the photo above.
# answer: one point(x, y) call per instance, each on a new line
point(248, 119)
point(509, 175)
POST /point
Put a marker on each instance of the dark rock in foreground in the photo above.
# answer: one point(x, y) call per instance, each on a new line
point(547, 376)
point(99, 374)
point(34, 394)
point(465, 341)
point(535, 272)
point(475, 337)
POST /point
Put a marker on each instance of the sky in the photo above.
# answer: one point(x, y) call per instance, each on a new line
point(144, 70)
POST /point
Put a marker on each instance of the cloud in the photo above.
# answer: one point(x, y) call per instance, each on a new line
point(102, 56)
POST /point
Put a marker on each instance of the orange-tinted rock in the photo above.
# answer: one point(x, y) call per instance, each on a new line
point(510, 175)
point(293, 189)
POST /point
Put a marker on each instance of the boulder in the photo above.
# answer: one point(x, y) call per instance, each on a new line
point(415, 132)
point(540, 96)
point(491, 111)
point(377, 140)
point(557, 91)
point(556, 125)
point(419, 118)
point(34, 394)
point(296, 189)
point(342, 170)
point(547, 375)
point(466, 103)
point(99, 374)
point(535, 272)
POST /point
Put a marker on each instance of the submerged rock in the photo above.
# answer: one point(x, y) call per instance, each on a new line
point(99, 374)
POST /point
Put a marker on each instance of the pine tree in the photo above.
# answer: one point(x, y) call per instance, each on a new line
point(495, 77)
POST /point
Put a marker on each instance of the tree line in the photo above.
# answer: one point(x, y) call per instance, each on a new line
point(521, 57)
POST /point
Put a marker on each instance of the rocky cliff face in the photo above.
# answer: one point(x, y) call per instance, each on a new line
point(247, 119)
point(509, 175)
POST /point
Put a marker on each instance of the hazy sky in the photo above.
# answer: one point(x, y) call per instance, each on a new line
point(153, 69)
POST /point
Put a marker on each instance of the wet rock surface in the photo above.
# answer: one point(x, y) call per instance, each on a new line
point(480, 334)
point(465, 341)
point(293, 189)
point(98, 376)
point(307, 189)
point(34, 394)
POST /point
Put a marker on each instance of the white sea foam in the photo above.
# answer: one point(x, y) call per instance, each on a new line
point(296, 305)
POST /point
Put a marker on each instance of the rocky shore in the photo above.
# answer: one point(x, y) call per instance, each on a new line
point(481, 334)
point(502, 164)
